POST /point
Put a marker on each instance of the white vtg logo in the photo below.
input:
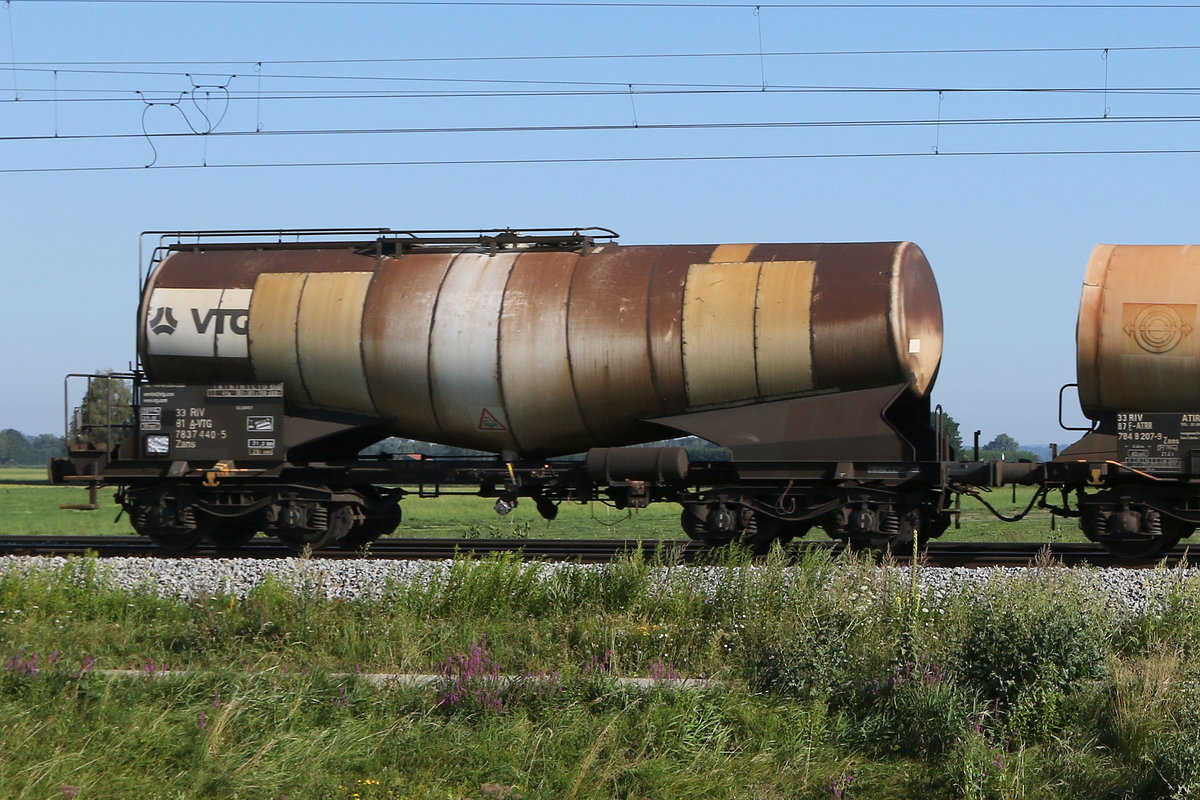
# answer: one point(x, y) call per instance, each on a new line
point(237, 319)
point(199, 322)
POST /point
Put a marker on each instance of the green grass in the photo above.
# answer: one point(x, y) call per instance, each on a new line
point(834, 681)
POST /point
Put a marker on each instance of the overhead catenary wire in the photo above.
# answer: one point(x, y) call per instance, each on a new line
point(614, 160)
point(656, 5)
point(635, 125)
point(612, 56)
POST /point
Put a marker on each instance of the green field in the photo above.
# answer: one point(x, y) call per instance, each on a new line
point(29, 504)
point(828, 679)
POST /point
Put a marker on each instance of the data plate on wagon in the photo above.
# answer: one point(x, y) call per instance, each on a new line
point(1158, 443)
point(241, 421)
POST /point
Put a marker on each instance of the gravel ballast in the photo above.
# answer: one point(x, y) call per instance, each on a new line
point(1134, 590)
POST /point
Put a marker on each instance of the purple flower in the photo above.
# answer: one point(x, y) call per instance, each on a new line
point(601, 664)
point(663, 672)
point(22, 664)
point(838, 786)
point(86, 667)
point(473, 679)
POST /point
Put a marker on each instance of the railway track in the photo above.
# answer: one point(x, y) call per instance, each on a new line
point(938, 554)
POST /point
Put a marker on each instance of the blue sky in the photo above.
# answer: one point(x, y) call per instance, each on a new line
point(1008, 236)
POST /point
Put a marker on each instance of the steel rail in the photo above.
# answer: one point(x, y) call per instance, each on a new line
point(937, 554)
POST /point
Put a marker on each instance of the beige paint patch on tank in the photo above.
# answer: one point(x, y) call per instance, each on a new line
point(463, 354)
point(329, 340)
point(727, 253)
point(274, 309)
point(718, 333)
point(782, 327)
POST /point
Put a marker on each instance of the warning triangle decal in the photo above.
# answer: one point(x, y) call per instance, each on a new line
point(490, 422)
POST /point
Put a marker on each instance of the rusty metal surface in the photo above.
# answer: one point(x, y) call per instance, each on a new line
point(535, 367)
point(664, 326)
point(239, 269)
point(397, 323)
point(609, 334)
point(852, 292)
point(544, 352)
point(1138, 344)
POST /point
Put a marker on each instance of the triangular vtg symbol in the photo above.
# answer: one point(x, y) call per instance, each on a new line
point(163, 321)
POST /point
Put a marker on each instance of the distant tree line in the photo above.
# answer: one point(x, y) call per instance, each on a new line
point(17, 448)
point(1002, 448)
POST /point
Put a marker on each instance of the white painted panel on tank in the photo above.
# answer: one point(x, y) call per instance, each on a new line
point(464, 352)
point(183, 322)
point(718, 333)
point(233, 323)
point(329, 340)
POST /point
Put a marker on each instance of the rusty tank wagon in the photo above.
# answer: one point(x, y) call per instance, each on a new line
point(1134, 474)
point(269, 359)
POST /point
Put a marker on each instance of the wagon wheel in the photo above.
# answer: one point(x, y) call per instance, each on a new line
point(161, 521)
point(763, 530)
point(341, 522)
point(381, 523)
point(1148, 547)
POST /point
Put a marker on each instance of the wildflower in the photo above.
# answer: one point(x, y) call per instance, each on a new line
point(663, 672)
point(473, 677)
point(23, 665)
point(601, 664)
point(86, 667)
point(838, 786)
point(202, 721)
